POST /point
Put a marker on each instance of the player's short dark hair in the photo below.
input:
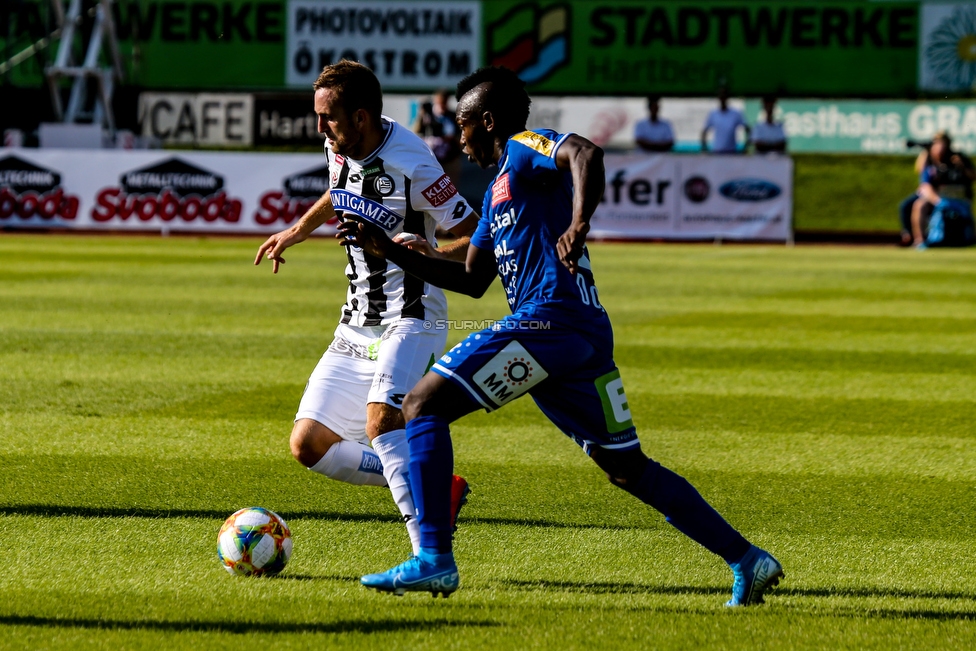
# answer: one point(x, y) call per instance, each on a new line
point(506, 97)
point(355, 85)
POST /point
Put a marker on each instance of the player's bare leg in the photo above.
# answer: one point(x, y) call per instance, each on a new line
point(917, 236)
point(318, 448)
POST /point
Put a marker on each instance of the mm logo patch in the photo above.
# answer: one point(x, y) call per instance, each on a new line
point(509, 374)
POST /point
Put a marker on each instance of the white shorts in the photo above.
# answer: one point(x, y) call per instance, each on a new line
point(368, 364)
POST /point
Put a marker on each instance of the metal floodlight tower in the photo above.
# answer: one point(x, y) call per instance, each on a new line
point(104, 77)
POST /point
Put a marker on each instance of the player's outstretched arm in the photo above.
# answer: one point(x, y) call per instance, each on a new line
point(320, 212)
point(456, 250)
point(585, 161)
point(472, 277)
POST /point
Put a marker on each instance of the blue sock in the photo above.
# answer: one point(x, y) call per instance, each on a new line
point(431, 465)
point(688, 512)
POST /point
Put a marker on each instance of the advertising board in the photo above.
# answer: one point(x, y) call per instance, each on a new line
point(158, 191)
point(596, 47)
point(870, 126)
point(409, 45)
point(663, 196)
point(947, 48)
point(203, 119)
point(696, 197)
point(801, 48)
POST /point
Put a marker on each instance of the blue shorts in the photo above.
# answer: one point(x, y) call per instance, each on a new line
point(569, 374)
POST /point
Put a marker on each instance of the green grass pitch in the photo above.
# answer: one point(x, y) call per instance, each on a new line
point(821, 398)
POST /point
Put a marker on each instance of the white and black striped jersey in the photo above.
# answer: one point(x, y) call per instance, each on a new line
point(400, 187)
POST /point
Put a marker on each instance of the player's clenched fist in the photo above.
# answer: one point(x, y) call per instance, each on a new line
point(369, 238)
point(570, 244)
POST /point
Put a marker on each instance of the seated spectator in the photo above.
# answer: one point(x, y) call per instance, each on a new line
point(769, 135)
point(724, 121)
point(905, 207)
point(654, 134)
point(947, 187)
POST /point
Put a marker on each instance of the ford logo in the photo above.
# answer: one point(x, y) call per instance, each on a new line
point(749, 190)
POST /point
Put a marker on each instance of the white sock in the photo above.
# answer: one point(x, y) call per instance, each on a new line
point(393, 452)
point(353, 463)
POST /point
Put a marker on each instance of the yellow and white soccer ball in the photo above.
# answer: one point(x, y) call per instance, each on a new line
point(254, 542)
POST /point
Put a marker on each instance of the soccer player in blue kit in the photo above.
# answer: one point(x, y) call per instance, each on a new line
point(557, 345)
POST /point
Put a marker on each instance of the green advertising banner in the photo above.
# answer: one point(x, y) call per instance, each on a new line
point(169, 44)
point(605, 47)
point(870, 126)
point(792, 48)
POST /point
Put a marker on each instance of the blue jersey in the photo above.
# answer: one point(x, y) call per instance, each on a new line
point(527, 207)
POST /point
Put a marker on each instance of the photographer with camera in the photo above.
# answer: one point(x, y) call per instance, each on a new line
point(436, 125)
point(942, 213)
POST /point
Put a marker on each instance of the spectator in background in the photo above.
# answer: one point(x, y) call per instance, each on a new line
point(725, 122)
point(908, 204)
point(947, 184)
point(769, 136)
point(653, 134)
point(437, 126)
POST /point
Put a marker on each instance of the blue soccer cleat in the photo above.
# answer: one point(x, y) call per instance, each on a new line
point(754, 574)
point(425, 572)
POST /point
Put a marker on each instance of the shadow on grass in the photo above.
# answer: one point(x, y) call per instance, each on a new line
point(640, 588)
point(312, 577)
point(342, 626)
point(55, 510)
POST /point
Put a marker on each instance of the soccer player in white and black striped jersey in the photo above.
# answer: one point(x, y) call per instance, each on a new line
point(384, 174)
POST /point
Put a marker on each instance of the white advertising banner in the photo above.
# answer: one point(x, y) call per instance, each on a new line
point(675, 197)
point(663, 196)
point(409, 45)
point(158, 191)
point(641, 197)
